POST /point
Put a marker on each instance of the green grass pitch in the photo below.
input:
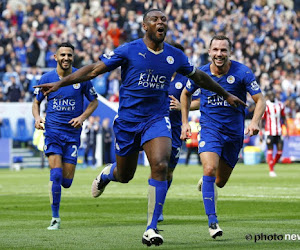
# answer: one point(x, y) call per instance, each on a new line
point(250, 204)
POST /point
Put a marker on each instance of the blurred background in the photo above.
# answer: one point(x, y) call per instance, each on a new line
point(265, 36)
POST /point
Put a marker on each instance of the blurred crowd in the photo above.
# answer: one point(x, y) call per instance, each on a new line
point(265, 34)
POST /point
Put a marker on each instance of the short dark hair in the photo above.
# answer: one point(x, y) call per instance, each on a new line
point(65, 44)
point(221, 37)
point(148, 11)
point(178, 46)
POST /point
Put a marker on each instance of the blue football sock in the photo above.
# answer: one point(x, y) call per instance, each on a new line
point(156, 199)
point(66, 183)
point(208, 193)
point(56, 177)
point(110, 176)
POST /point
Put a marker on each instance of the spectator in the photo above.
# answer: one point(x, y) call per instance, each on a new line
point(33, 76)
point(24, 82)
point(20, 50)
point(113, 82)
point(8, 74)
point(114, 97)
point(114, 33)
point(131, 27)
point(14, 91)
point(265, 34)
point(2, 62)
point(274, 117)
point(33, 52)
point(91, 131)
point(122, 17)
point(50, 61)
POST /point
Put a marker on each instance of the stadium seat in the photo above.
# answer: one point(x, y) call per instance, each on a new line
point(22, 132)
point(6, 130)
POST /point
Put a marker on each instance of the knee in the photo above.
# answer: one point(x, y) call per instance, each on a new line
point(220, 184)
point(66, 183)
point(161, 168)
point(125, 179)
point(209, 170)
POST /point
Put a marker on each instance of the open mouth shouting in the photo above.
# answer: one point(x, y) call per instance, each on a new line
point(161, 31)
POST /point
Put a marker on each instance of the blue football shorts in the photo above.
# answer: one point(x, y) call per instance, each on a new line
point(62, 144)
point(227, 147)
point(130, 136)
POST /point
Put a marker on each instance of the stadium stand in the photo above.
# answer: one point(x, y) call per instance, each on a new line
point(6, 130)
point(22, 132)
point(265, 36)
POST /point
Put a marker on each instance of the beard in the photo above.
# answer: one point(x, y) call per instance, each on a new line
point(63, 67)
point(156, 39)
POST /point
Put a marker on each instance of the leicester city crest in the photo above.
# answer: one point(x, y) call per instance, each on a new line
point(230, 79)
point(76, 85)
point(178, 85)
point(170, 59)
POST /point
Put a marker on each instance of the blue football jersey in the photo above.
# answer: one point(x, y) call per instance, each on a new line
point(64, 104)
point(175, 89)
point(146, 77)
point(215, 111)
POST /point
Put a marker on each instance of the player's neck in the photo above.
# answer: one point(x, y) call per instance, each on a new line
point(153, 45)
point(63, 73)
point(220, 71)
point(173, 76)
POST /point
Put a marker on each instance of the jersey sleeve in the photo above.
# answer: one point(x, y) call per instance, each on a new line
point(186, 68)
point(192, 88)
point(116, 58)
point(37, 91)
point(89, 91)
point(196, 94)
point(251, 84)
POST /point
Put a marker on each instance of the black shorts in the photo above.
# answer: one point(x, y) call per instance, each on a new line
point(271, 139)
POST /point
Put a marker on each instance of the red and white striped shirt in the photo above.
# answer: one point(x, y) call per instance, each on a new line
point(273, 116)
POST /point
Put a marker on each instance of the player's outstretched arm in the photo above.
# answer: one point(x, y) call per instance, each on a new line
point(260, 107)
point(205, 81)
point(185, 100)
point(85, 73)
